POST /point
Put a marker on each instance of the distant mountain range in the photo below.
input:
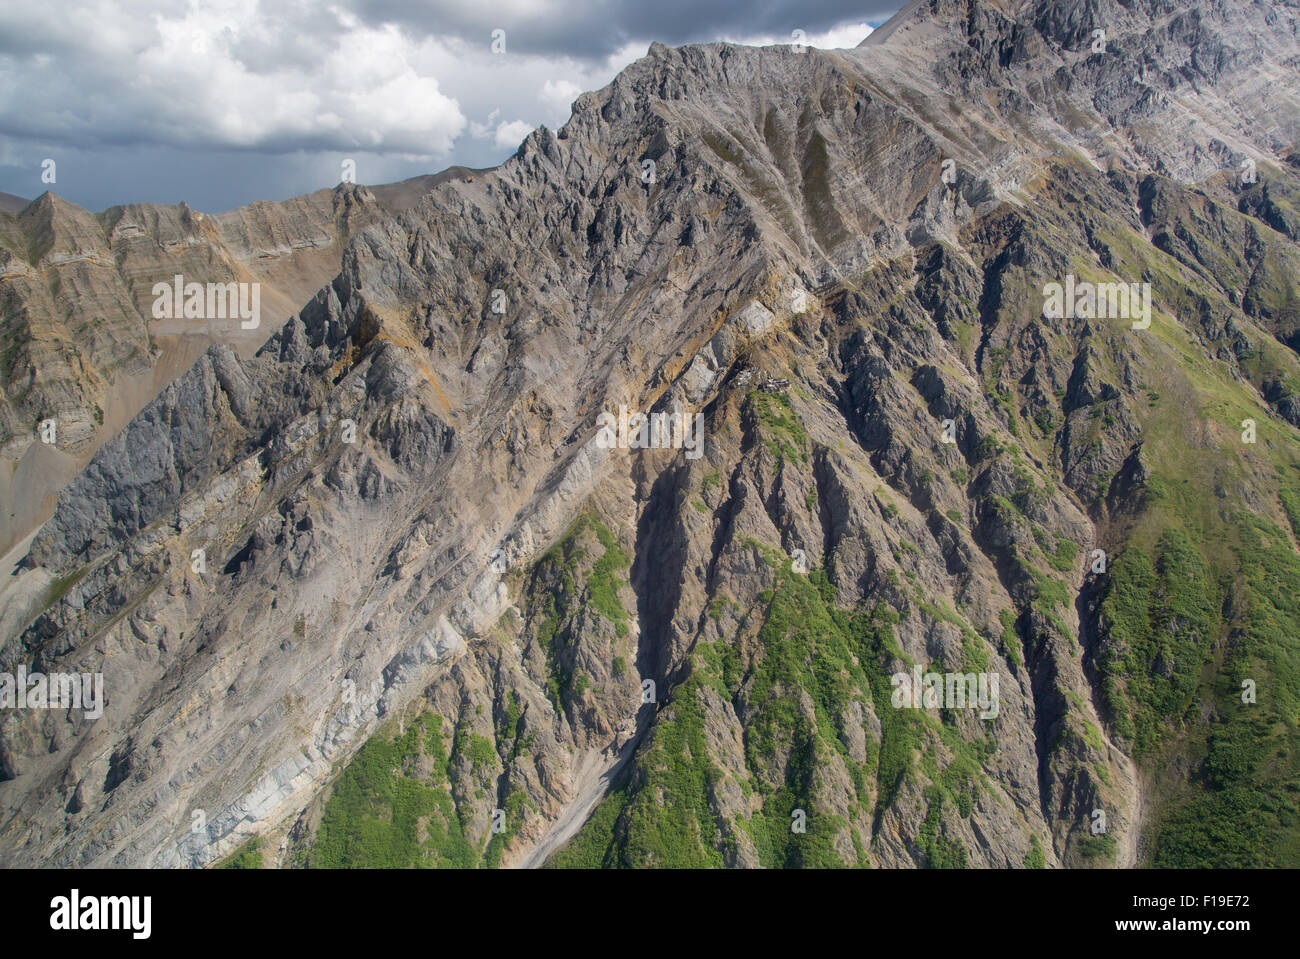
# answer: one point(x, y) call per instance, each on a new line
point(81, 345)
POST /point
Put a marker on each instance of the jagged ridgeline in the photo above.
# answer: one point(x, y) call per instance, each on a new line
point(86, 341)
point(992, 326)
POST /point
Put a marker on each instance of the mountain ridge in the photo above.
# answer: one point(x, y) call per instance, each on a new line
point(84, 349)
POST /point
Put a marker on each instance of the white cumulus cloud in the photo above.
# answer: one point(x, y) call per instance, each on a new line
point(510, 135)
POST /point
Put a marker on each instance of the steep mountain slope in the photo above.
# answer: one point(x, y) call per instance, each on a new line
point(82, 346)
point(437, 617)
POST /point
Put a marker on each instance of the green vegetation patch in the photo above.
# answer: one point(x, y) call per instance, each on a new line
point(247, 856)
point(391, 807)
point(779, 427)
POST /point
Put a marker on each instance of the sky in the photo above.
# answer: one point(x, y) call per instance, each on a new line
point(224, 102)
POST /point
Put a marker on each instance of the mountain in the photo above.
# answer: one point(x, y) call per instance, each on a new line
point(82, 346)
point(383, 593)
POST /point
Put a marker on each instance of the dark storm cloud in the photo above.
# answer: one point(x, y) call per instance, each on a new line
point(593, 29)
point(224, 101)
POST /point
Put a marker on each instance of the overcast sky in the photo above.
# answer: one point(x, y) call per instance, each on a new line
point(224, 102)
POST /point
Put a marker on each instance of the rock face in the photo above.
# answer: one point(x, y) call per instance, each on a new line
point(396, 576)
point(82, 345)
